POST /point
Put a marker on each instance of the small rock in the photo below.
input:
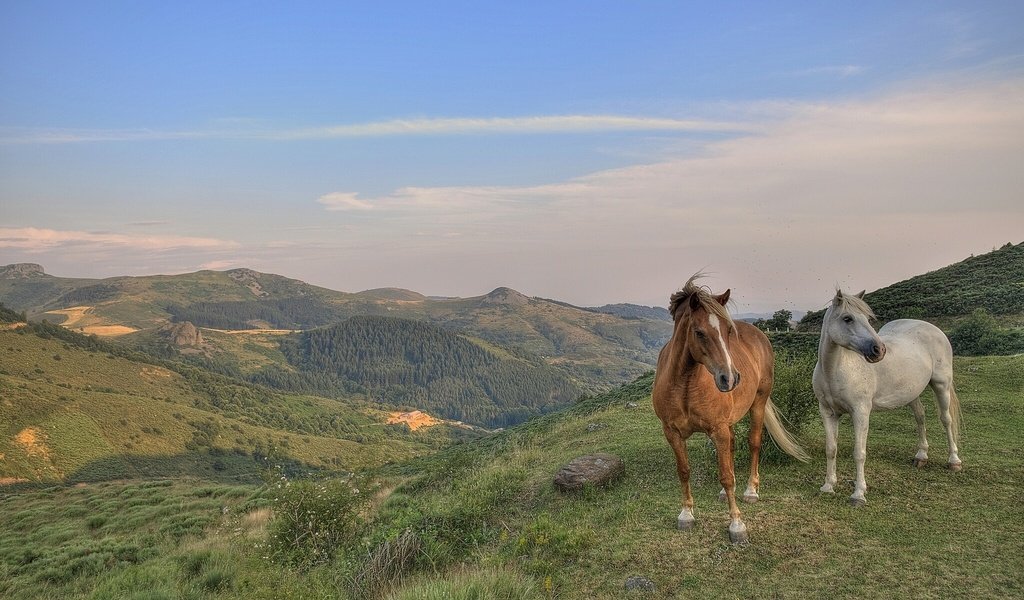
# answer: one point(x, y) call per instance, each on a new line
point(593, 469)
point(631, 405)
point(642, 584)
point(596, 426)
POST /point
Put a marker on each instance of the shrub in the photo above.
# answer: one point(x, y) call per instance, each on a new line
point(314, 519)
point(981, 335)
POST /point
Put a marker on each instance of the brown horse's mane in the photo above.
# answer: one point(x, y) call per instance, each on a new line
point(681, 298)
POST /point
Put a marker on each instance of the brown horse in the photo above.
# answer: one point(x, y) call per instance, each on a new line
point(711, 373)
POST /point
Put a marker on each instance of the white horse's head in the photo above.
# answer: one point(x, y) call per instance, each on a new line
point(847, 324)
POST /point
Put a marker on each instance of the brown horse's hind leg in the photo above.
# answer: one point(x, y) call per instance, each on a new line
point(723, 447)
point(756, 431)
point(678, 443)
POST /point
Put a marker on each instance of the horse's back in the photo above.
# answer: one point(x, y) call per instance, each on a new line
point(917, 353)
point(917, 336)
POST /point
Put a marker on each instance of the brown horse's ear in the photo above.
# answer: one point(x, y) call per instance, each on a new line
point(694, 301)
point(861, 294)
point(723, 297)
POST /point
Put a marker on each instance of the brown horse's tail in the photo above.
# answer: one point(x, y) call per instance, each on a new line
point(782, 437)
point(954, 414)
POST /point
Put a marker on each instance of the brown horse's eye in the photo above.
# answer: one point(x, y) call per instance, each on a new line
point(699, 333)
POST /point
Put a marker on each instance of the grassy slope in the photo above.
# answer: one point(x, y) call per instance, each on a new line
point(102, 417)
point(926, 533)
point(994, 280)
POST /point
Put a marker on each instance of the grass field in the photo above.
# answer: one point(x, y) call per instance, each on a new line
point(489, 523)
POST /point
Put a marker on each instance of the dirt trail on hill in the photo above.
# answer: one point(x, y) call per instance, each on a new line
point(77, 314)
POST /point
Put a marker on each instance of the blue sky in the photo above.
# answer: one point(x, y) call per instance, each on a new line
point(587, 151)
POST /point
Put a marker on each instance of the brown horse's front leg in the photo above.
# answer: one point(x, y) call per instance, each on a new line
point(754, 439)
point(678, 443)
point(723, 437)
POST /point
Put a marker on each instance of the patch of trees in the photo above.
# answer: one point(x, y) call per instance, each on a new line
point(411, 363)
point(981, 335)
point(282, 313)
point(89, 294)
point(9, 316)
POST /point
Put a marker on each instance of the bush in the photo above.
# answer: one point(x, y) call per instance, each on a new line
point(981, 335)
point(314, 519)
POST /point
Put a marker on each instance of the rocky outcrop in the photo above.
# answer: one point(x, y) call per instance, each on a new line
point(249, 279)
point(599, 469)
point(183, 335)
point(21, 271)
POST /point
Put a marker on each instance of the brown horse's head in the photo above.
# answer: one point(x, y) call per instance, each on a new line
point(705, 331)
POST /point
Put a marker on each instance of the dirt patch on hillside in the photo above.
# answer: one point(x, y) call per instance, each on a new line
point(11, 480)
point(73, 315)
point(151, 373)
point(11, 326)
point(107, 330)
point(254, 331)
point(81, 319)
point(414, 419)
point(33, 441)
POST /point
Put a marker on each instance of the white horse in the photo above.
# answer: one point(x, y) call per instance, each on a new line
point(852, 377)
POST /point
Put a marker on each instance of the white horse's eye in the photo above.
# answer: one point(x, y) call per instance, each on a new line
point(848, 319)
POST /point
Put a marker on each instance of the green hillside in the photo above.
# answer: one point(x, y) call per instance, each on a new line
point(482, 520)
point(74, 409)
point(596, 350)
point(993, 281)
point(412, 363)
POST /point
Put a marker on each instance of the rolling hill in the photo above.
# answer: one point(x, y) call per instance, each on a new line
point(75, 409)
point(405, 362)
point(595, 349)
point(993, 281)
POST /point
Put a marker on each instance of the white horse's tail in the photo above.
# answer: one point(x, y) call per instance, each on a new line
point(954, 413)
point(783, 438)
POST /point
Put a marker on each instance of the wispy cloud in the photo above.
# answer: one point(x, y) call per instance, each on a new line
point(344, 201)
point(876, 185)
point(38, 239)
point(395, 127)
point(841, 71)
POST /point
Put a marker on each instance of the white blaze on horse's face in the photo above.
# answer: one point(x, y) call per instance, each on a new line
point(710, 347)
point(850, 328)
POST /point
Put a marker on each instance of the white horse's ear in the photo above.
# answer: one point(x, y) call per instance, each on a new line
point(838, 297)
point(861, 294)
point(724, 297)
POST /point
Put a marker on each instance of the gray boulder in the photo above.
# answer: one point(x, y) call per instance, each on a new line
point(593, 469)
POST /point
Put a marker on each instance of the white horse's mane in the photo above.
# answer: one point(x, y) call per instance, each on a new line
point(853, 304)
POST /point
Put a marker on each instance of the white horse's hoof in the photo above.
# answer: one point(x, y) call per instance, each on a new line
point(750, 498)
point(738, 532)
point(685, 521)
point(919, 462)
point(857, 502)
point(956, 467)
point(827, 489)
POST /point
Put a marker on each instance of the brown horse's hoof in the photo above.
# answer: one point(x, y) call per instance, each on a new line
point(722, 497)
point(685, 521)
point(857, 502)
point(956, 467)
point(738, 533)
point(750, 498)
point(919, 462)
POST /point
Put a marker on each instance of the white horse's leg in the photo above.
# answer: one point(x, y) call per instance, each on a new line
point(942, 396)
point(860, 454)
point(921, 459)
point(830, 420)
